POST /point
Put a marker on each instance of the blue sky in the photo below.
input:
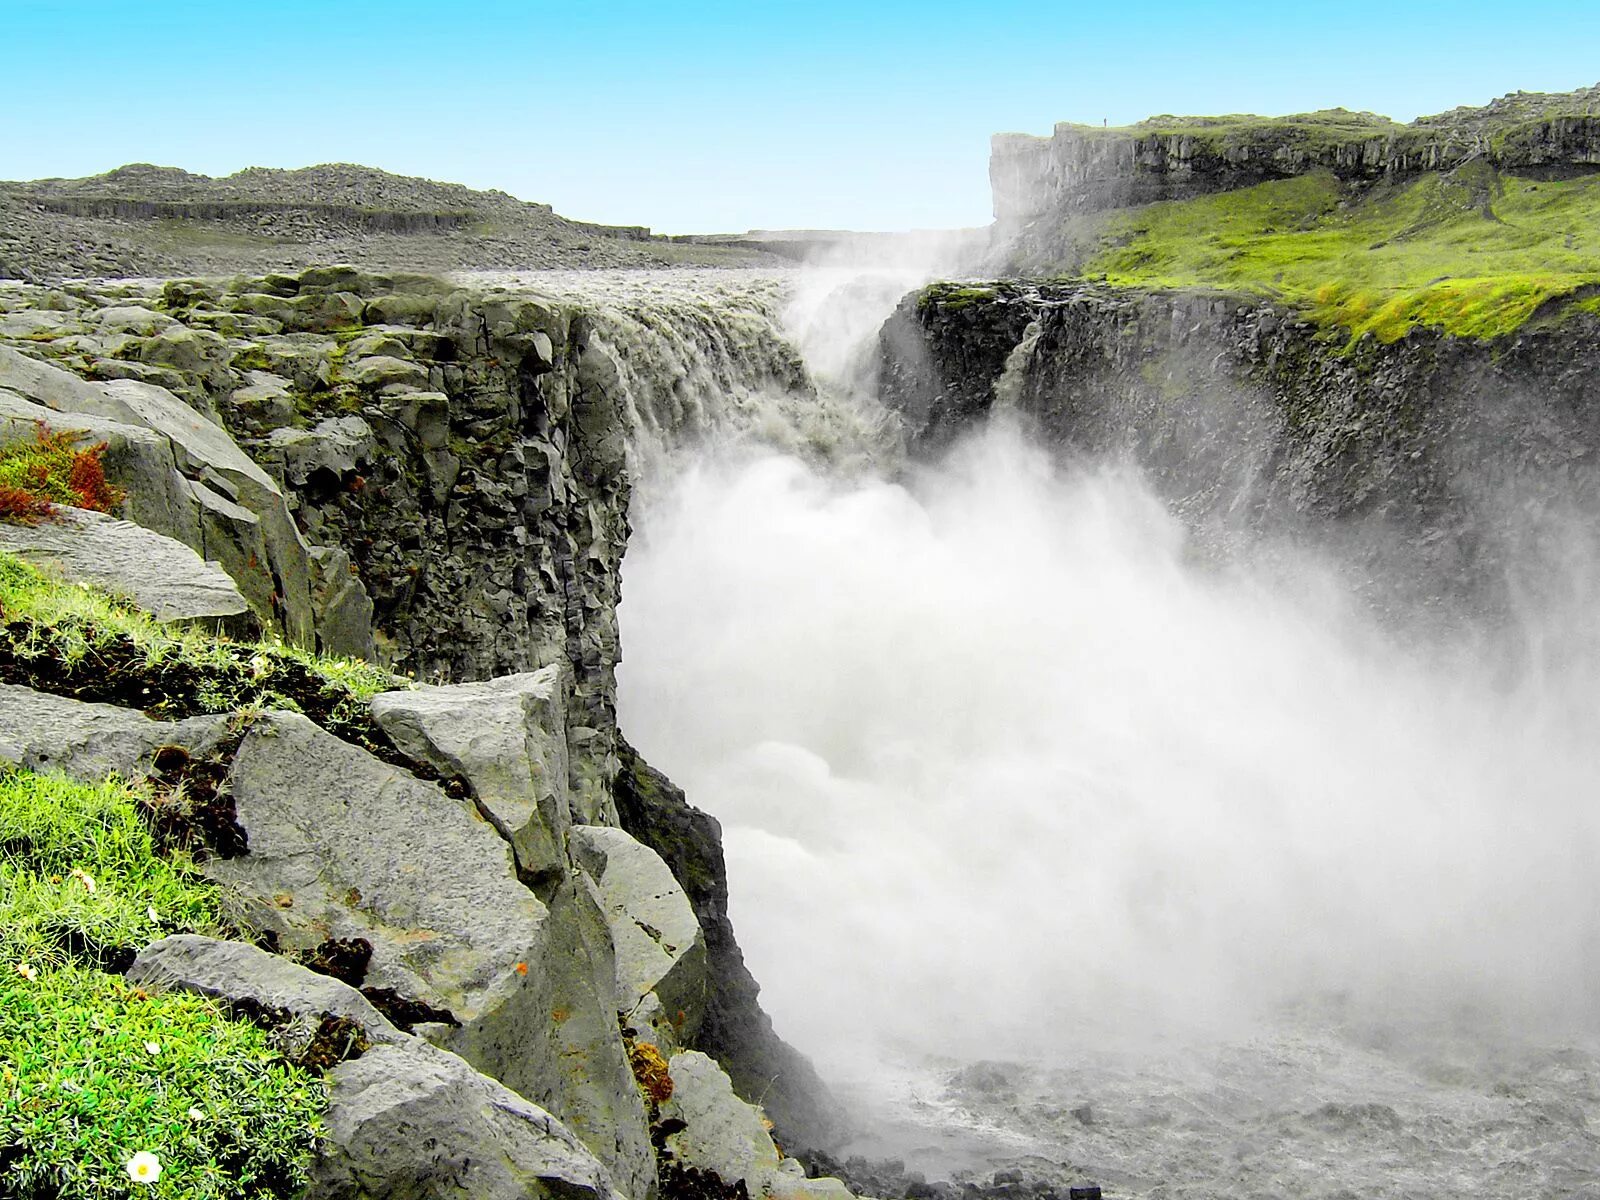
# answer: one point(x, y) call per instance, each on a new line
point(714, 116)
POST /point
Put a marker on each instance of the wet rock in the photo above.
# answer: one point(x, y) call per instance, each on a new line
point(659, 946)
point(720, 1132)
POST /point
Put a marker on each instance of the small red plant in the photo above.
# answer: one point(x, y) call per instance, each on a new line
point(50, 470)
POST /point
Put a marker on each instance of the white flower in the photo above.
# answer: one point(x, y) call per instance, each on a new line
point(27, 972)
point(153, 914)
point(84, 878)
point(196, 1115)
point(152, 1047)
point(143, 1167)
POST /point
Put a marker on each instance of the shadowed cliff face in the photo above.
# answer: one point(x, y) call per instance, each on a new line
point(1436, 466)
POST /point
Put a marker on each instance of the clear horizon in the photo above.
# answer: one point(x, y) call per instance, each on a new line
point(719, 117)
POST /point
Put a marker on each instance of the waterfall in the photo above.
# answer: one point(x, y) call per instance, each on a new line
point(1006, 771)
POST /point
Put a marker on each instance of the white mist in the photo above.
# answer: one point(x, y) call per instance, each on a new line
point(1002, 771)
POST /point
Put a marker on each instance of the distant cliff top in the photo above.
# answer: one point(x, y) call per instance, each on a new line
point(142, 219)
point(1086, 168)
point(1476, 221)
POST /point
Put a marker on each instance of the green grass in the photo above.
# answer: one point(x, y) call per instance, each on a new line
point(96, 1071)
point(1475, 253)
point(68, 624)
point(79, 876)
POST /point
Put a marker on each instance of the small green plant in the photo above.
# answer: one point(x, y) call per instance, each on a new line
point(79, 877)
point(104, 1085)
point(55, 468)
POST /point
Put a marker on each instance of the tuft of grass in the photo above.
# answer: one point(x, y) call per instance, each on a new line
point(53, 469)
point(1474, 253)
point(83, 1092)
point(80, 880)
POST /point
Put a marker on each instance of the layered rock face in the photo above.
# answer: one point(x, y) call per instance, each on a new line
point(434, 477)
point(1081, 168)
point(1430, 461)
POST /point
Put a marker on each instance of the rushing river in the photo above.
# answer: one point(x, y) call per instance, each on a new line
point(1065, 850)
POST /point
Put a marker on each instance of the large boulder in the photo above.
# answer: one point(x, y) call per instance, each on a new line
point(344, 846)
point(162, 576)
point(412, 1122)
point(659, 947)
point(719, 1132)
point(507, 738)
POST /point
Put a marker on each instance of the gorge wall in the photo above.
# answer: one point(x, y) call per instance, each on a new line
point(1081, 168)
point(434, 477)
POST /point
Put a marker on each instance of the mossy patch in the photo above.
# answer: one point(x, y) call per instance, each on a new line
point(1474, 253)
point(74, 641)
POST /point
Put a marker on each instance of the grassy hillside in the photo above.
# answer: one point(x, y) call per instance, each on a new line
point(1476, 252)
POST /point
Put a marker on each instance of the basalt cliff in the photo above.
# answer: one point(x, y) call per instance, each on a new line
point(383, 517)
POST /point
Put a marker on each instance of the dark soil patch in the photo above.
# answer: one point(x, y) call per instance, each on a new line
point(406, 1014)
point(335, 1040)
point(692, 1183)
point(344, 959)
point(191, 810)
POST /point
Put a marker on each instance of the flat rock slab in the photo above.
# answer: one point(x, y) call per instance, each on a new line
point(41, 732)
point(225, 970)
point(342, 845)
point(158, 574)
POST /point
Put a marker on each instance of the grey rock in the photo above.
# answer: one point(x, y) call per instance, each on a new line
point(162, 576)
point(237, 971)
point(659, 946)
point(277, 585)
point(507, 737)
point(382, 370)
point(41, 732)
point(405, 1119)
point(342, 845)
point(341, 604)
point(339, 445)
point(721, 1132)
point(412, 1122)
point(265, 401)
point(132, 318)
